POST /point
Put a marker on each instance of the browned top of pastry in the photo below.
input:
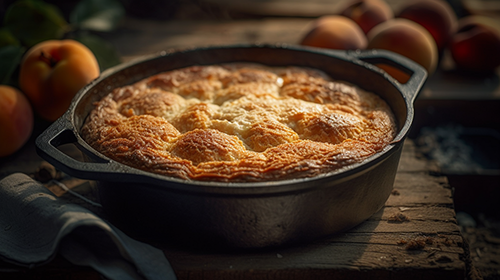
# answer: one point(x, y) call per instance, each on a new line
point(239, 122)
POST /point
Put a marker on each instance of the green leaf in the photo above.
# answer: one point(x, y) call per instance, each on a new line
point(105, 53)
point(34, 21)
point(6, 38)
point(97, 15)
point(10, 56)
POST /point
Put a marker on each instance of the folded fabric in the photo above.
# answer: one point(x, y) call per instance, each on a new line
point(36, 225)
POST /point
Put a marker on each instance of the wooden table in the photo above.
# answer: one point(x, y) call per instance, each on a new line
point(415, 236)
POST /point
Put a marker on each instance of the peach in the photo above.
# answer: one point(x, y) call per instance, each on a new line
point(16, 120)
point(335, 32)
point(436, 16)
point(52, 72)
point(367, 13)
point(406, 38)
point(476, 45)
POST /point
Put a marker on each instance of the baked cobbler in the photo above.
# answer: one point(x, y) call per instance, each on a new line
point(239, 122)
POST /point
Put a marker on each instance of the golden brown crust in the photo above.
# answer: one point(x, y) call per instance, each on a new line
point(239, 122)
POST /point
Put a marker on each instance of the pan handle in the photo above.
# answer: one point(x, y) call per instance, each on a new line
point(58, 134)
point(417, 73)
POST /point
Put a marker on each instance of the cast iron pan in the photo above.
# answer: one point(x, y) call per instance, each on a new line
point(248, 215)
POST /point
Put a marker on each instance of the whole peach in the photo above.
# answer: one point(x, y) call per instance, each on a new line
point(436, 16)
point(335, 32)
point(406, 38)
point(476, 45)
point(367, 13)
point(16, 120)
point(52, 72)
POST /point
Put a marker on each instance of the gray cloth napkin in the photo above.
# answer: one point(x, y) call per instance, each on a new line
point(35, 225)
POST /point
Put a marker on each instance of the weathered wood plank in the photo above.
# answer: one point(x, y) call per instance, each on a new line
point(415, 213)
point(414, 226)
point(347, 256)
point(412, 161)
point(344, 250)
point(419, 189)
point(349, 259)
point(392, 238)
